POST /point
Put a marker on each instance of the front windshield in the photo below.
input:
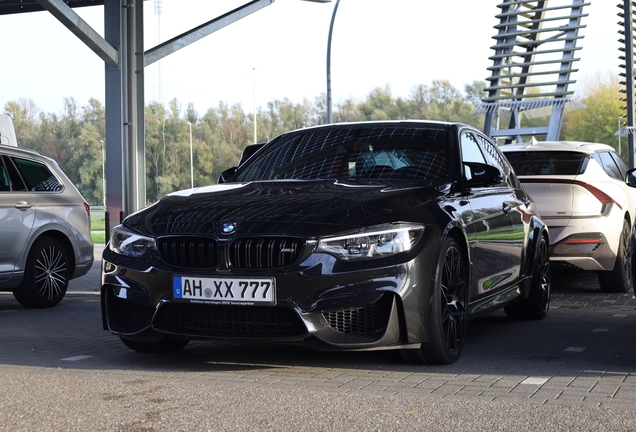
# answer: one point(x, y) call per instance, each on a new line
point(355, 152)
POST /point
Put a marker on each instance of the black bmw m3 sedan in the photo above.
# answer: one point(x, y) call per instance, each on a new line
point(356, 236)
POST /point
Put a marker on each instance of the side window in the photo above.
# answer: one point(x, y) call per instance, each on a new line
point(498, 160)
point(10, 179)
point(470, 149)
point(622, 166)
point(37, 176)
point(5, 183)
point(470, 152)
point(609, 166)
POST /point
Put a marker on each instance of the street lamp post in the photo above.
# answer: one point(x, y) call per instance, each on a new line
point(191, 160)
point(254, 99)
point(329, 110)
point(333, 16)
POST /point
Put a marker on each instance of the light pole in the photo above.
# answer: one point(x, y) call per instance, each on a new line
point(191, 161)
point(333, 17)
point(103, 175)
point(254, 99)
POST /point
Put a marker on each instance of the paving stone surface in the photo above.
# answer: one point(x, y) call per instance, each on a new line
point(582, 355)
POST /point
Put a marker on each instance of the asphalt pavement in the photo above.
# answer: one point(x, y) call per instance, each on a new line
point(574, 370)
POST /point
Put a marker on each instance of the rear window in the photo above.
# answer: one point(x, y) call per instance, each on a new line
point(545, 162)
point(37, 176)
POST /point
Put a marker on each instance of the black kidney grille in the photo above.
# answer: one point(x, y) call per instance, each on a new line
point(372, 319)
point(265, 252)
point(229, 321)
point(189, 252)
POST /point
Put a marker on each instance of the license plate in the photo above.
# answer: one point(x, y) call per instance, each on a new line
point(230, 291)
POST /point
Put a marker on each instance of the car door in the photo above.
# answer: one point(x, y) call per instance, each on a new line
point(490, 226)
point(515, 202)
point(17, 216)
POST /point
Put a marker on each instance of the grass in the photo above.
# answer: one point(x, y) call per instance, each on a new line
point(98, 221)
point(98, 227)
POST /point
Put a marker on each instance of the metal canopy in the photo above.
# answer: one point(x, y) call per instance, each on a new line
point(18, 6)
point(122, 50)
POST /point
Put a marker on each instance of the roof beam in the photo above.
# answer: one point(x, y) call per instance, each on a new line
point(81, 29)
point(162, 50)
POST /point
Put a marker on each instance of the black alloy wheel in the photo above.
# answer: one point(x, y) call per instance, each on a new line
point(46, 275)
point(448, 319)
point(542, 281)
point(620, 278)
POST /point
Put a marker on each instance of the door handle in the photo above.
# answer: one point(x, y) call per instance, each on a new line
point(506, 207)
point(23, 205)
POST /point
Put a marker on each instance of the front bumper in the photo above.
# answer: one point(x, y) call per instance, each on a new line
point(362, 309)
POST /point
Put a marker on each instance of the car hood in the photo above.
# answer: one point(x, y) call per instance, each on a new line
point(297, 207)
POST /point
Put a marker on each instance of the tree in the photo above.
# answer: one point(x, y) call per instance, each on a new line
point(598, 121)
point(379, 105)
point(86, 163)
point(347, 111)
point(475, 92)
point(24, 114)
point(154, 122)
point(73, 136)
point(441, 101)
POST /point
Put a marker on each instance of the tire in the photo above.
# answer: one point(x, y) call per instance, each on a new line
point(448, 320)
point(46, 275)
point(165, 345)
point(537, 304)
point(620, 278)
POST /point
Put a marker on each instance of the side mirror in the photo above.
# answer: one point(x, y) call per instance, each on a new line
point(630, 178)
point(225, 175)
point(249, 151)
point(480, 174)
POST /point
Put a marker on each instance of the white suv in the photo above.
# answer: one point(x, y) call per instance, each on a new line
point(45, 234)
point(581, 192)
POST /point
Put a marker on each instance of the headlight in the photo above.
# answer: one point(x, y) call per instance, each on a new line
point(372, 244)
point(129, 243)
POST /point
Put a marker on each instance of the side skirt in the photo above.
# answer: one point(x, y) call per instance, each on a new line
point(494, 301)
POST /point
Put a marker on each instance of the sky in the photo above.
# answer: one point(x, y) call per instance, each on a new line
point(280, 51)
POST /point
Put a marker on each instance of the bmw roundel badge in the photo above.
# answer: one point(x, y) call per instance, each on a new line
point(228, 228)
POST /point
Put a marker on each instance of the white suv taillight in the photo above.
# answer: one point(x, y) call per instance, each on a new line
point(589, 201)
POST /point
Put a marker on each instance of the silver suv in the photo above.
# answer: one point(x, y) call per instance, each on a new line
point(45, 234)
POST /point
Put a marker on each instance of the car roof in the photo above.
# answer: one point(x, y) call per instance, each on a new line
point(412, 123)
point(30, 154)
point(577, 146)
point(19, 150)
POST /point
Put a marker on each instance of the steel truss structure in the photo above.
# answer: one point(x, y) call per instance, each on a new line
point(122, 50)
point(627, 38)
point(532, 67)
